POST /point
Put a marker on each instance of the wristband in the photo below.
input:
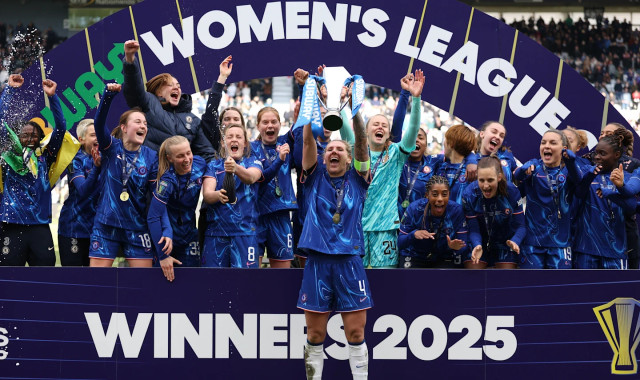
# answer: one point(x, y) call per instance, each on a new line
point(361, 166)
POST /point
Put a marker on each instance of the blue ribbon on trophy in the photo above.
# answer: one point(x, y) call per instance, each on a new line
point(310, 106)
point(357, 93)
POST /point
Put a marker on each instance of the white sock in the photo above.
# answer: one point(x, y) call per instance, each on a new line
point(314, 360)
point(359, 361)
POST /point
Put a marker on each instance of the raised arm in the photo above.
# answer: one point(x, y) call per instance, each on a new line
point(102, 131)
point(210, 118)
point(360, 150)
point(15, 81)
point(399, 114)
point(55, 142)
point(133, 87)
point(309, 148)
point(414, 84)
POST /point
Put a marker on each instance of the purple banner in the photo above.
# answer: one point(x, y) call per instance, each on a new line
point(476, 67)
point(240, 324)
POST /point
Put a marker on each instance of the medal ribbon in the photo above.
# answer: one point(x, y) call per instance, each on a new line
point(339, 192)
point(127, 168)
point(271, 159)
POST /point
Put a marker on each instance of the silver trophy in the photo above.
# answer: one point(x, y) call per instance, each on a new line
point(334, 77)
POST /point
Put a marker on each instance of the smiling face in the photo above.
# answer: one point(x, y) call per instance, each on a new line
point(170, 91)
point(421, 146)
point(134, 130)
point(378, 132)
point(606, 156)
point(488, 181)
point(89, 140)
point(29, 136)
point(551, 149)
point(269, 127)
point(181, 158)
point(231, 116)
point(337, 158)
point(235, 142)
point(438, 195)
point(492, 138)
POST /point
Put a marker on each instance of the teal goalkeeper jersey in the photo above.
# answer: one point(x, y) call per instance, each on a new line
point(381, 206)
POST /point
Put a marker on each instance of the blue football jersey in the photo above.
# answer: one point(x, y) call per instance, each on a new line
point(277, 194)
point(418, 173)
point(501, 216)
point(507, 161)
point(321, 233)
point(180, 194)
point(79, 210)
point(456, 174)
point(600, 227)
point(549, 198)
point(26, 199)
point(141, 166)
point(237, 219)
point(418, 217)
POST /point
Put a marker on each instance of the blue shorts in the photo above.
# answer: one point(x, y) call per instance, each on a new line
point(497, 254)
point(189, 255)
point(297, 231)
point(106, 240)
point(381, 249)
point(334, 283)
point(230, 252)
point(545, 257)
point(587, 261)
point(275, 234)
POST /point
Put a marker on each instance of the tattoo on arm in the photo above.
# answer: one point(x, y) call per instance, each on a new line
point(361, 151)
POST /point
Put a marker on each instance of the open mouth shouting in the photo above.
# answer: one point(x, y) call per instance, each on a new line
point(494, 144)
point(437, 209)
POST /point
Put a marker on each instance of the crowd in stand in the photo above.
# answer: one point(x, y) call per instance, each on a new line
point(604, 52)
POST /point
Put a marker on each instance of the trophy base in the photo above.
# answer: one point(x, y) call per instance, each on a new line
point(332, 120)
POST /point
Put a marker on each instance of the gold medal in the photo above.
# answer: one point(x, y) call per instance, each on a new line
point(336, 218)
point(124, 196)
point(405, 204)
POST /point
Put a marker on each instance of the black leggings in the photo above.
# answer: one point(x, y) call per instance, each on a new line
point(27, 243)
point(74, 252)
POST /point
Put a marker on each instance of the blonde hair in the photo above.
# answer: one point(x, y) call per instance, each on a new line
point(346, 145)
point(580, 135)
point(247, 145)
point(165, 151)
point(81, 128)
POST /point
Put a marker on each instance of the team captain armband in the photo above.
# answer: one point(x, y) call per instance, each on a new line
point(361, 166)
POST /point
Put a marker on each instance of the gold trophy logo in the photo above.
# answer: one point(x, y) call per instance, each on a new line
point(620, 321)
